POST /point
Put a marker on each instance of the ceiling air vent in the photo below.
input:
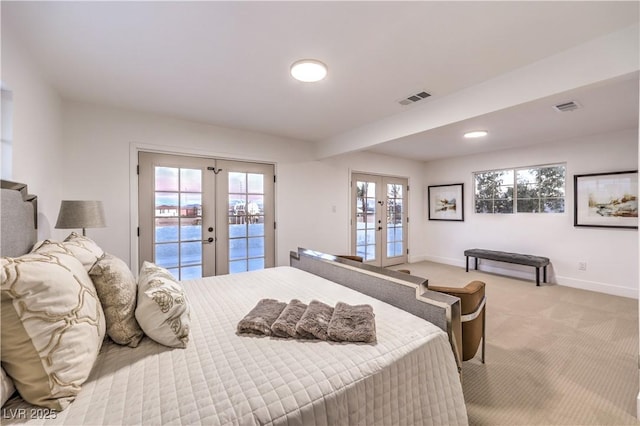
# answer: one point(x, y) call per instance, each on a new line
point(567, 106)
point(414, 98)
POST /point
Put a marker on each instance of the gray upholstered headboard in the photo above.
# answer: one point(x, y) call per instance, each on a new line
point(18, 219)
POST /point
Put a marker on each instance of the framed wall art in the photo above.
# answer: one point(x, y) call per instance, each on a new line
point(446, 202)
point(607, 200)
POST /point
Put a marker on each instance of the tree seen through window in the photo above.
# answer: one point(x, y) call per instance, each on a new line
point(525, 190)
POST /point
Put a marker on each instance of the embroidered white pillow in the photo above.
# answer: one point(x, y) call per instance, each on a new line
point(163, 309)
point(52, 326)
point(83, 248)
point(117, 291)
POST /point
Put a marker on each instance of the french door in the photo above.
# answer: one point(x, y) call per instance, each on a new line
point(200, 216)
point(379, 219)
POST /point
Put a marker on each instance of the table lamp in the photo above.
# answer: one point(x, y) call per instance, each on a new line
point(80, 214)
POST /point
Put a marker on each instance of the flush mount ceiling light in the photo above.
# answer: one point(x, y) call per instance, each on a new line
point(308, 70)
point(476, 134)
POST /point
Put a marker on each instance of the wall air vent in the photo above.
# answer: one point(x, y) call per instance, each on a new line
point(567, 106)
point(414, 98)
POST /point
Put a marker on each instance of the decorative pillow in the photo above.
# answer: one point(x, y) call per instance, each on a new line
point(85, 249)
point(52, 326)
point(6, 387)
point(117, 291)
point(163, 309)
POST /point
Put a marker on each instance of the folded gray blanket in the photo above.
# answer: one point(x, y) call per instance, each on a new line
point(260, 319)
point(315, 320)
point(352, 323)
point(285, 324)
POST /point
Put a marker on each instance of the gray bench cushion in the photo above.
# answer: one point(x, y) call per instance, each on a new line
point(520, 259)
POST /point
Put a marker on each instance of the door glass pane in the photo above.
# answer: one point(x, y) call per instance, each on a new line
point(191, 253)
point(166, 204)
point(166, 179)
point(256, 247)
point(256, 264)
point(255, 183)
point(395, 216)
point(191, 229)
point(190, 205)
point(371, 237)
point(255, 215)
point(256, 229)
point(398, 233)
point(178, 221)
point(370, 252)
point(191, 272)
point(190, 180)
point(237, 182)
point(237, 266)
point(237, 248)
point(366, 219)
point(166, 230)
point(246, 222)
point(167, 255)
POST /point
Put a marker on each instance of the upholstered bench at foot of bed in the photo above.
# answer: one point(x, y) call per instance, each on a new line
point(516, 258)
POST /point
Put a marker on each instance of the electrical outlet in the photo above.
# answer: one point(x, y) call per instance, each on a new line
point(582, 266)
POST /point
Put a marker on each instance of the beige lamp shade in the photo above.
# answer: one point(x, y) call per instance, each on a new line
point(80, 214)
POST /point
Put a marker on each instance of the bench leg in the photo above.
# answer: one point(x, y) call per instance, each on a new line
point(476, 263)
point(544, 274)
point(467, 263)
point(537, 276)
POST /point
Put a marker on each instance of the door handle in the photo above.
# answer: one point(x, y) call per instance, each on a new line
point(379, 228)
point(208, 240)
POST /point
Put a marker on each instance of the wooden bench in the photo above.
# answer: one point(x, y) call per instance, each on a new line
point(520, 259)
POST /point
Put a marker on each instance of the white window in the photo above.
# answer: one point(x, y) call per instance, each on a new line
point(537, 189)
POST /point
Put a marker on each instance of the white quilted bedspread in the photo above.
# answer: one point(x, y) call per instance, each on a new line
point(409, 377)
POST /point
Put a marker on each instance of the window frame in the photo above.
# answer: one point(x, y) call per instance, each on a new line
point(512, 191)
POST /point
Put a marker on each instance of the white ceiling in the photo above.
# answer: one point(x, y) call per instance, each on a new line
point(606, 107)
point(227, 63)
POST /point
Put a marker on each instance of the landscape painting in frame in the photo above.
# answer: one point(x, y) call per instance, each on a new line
point(606, 199)
point(446, 202)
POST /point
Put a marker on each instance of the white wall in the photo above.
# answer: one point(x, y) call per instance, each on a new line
point(98, 143)
point(315, 224)
point(38, 157)
point(611, 254)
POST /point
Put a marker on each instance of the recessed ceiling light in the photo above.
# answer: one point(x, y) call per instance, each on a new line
point(308, 70)
point(476, 134)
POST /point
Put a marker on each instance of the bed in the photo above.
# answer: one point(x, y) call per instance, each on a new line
point(409, 376)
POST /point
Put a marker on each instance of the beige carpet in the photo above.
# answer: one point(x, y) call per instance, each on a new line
point(554, 356)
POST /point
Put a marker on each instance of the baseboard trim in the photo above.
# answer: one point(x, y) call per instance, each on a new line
point(528, 273)
point(415, 259)
point(445, 260)
point(599, 287)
